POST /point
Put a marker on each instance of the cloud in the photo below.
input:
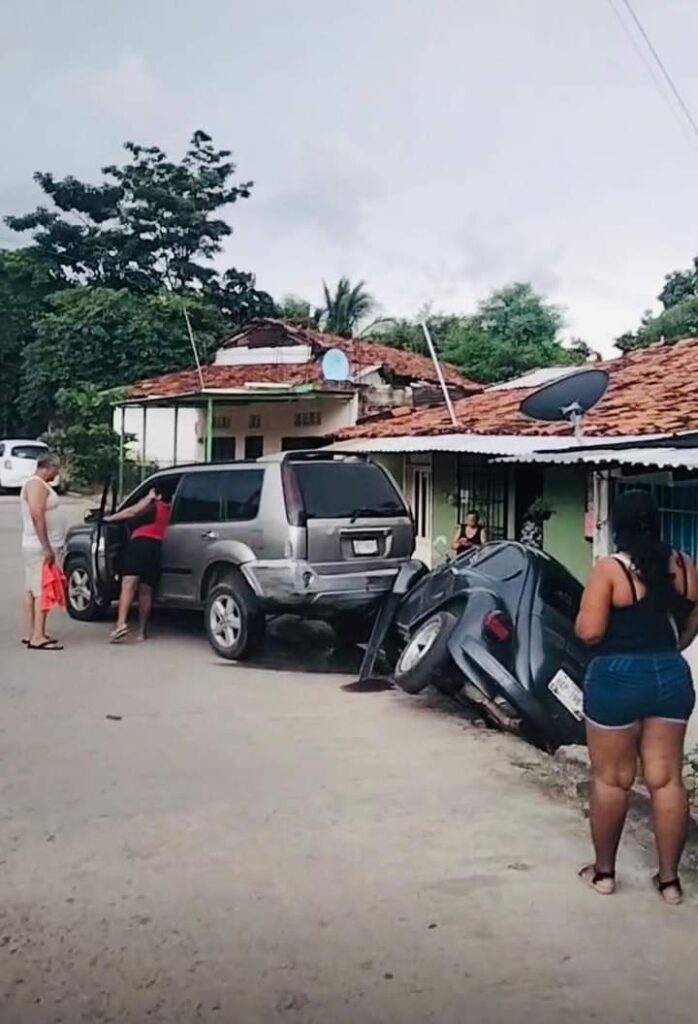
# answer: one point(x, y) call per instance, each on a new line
point(329, 196)
point(128, 91)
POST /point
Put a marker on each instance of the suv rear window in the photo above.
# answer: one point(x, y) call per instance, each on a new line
point(219, 497)
point(27, 451)
point(560, 590)
point(340, 490)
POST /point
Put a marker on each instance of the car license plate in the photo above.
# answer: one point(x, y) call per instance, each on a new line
point(365, 547)
point(568, 693)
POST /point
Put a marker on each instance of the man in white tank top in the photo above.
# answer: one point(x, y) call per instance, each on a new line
point(43, 539)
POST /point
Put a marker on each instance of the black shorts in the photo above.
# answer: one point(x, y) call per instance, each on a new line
point(144, 559)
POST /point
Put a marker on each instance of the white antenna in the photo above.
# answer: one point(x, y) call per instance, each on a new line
point(439, 374)
point(194, 349)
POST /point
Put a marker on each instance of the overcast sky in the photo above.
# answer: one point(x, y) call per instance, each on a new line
point(434, 148)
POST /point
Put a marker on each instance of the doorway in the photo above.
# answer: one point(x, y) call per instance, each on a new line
point(223, 449)
point(418, 485)
point(528, 488)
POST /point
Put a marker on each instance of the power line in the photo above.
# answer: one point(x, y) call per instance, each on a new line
point(649, 67)
point(662, 67)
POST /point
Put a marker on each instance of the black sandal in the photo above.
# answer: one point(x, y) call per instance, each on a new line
point(591, 877)
point(662, 887)
point(47, 645)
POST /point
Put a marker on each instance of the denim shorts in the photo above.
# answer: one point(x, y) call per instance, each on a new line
point(622, 689)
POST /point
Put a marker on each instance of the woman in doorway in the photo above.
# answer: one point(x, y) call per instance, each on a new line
point(638, 609)
point(43, 537)
point(143, 559)
point(470, 534)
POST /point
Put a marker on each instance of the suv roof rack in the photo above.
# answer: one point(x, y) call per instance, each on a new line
point(314, 455)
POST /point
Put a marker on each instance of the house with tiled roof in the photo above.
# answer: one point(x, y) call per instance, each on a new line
point(268, 388)
point(644, 432)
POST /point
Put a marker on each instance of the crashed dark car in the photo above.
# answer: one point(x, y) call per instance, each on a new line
point(496, 627)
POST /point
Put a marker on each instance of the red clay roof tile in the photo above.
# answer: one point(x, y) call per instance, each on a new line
point(652, 390)
point(362, 355)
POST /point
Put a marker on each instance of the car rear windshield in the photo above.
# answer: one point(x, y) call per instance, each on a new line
point(346, 490)
point(27, 451)
point(560, 590)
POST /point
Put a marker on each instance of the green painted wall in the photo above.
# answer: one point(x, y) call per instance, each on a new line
point(565, 489)
point(394, 465)
point(443, 514)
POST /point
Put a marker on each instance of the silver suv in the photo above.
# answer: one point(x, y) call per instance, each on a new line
point(317, 533)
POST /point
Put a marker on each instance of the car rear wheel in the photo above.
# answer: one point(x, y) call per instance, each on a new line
point(82, 602)
point(234, 620)
point(425, 658)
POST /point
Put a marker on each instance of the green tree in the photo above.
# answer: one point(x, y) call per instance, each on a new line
point(152, 223)
point(677, 319)
point(83, 435)
point(512, 332)
point(25, 283)
point(109, 338)
point(295, 310)
point(345, 308)
point(679, 285)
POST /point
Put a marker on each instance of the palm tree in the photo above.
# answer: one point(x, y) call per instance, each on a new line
point(344, 309)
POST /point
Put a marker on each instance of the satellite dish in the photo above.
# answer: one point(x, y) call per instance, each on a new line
point(335, 365)
point(567, 399)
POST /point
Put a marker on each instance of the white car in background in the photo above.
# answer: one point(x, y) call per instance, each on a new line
point(18, 462)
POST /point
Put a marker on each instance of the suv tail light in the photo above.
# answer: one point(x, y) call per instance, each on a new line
point(295, 512)
point(497, 627)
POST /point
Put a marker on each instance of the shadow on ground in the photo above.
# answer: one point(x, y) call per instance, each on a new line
point(291, 643)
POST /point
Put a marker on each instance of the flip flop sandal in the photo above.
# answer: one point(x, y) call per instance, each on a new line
point(27, 643)
point(663, 887)
point(119, 634)
point(591, 877)
point(47, 645)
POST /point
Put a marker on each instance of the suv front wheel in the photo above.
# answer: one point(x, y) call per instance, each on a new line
point(82, 602)
point(234, 620)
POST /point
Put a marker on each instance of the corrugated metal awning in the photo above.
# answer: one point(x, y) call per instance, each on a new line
point(658, 458)
point(516, 447)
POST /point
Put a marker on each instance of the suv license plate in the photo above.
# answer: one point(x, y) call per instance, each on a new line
point(568, 693)
point(365, 547)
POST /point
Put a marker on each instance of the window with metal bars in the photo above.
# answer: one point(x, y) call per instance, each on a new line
point(484, 489)
point(678, 509)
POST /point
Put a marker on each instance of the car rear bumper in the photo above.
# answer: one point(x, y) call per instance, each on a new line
point(298, 583)
point(475, 661)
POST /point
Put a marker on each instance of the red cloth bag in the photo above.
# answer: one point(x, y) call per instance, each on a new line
point(52, 587)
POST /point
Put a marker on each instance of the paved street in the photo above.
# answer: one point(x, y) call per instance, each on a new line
point(252, 844)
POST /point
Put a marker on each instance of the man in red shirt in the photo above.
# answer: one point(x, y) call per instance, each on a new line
point(142, 561)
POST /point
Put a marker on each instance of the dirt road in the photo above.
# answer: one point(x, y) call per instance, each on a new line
point(251, 845)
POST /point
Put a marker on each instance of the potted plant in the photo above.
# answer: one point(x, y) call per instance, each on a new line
point(537, 513)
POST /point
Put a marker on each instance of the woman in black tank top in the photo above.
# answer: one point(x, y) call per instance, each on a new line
point(470, 534)
point(638, 612)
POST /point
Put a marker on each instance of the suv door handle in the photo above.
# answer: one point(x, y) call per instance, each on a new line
point(209, 535)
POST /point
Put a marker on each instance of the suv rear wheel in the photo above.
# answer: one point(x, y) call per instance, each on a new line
point(80, 592)
point(234, 620)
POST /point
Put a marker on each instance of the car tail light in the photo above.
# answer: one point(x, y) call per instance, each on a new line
point(295, 512)
point(497, 627)
point(8, 463)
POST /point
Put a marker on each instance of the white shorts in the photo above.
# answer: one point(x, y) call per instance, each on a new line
point(33, 569)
